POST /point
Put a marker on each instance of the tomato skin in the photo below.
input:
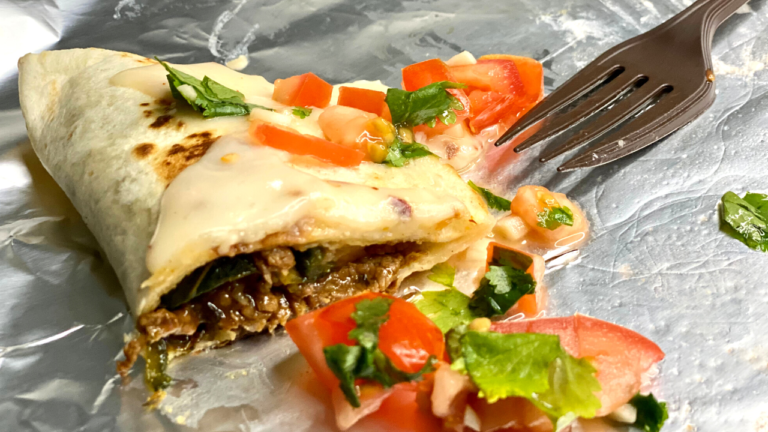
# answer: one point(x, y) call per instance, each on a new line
point(306, 145)
point(407, 409)
point(424, 73)
point(408, 338)
point(531, 74)
point(490, 108)
point(620, 355)
point(371, 101)
point(307, 90)
point(490, 75)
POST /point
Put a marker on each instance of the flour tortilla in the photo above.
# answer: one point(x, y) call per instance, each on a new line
point(114, 151)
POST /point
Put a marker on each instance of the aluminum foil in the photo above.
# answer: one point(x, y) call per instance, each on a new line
point(656, 262)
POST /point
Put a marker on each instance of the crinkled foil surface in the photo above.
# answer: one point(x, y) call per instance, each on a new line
point(657, 262)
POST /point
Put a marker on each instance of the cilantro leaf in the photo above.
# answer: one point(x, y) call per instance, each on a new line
point(453, 341)
point(553, 217)
point(533, 366)
point(494, 201)
point(651, 414)
point(443, 274)
point(207, 97)
point(447, 308)
point(425, 105)
point(746, 219)
point(342, 360)
point(369, 316)
point(366, 360)
point(302, 113)
point(399, 153)
point(500, 289)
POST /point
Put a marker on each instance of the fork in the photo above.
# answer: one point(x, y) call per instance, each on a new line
point(647, 87)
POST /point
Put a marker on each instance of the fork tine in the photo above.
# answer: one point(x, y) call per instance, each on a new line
point(593, 104)
point(585, 80)
point(641, 132)
point(607, 121)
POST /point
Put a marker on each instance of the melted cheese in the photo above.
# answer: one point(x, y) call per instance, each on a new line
point(152, 81)
point(238, 193)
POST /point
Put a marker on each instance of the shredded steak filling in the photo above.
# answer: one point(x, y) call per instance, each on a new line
point(264, 300)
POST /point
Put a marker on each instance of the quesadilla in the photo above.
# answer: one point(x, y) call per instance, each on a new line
point(225, 207)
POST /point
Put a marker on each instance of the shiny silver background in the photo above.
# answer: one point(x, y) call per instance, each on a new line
point(656, 264)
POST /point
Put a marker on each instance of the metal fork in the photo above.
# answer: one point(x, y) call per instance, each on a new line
point(652, 85)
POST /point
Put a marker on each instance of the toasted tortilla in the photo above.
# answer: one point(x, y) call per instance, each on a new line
point(121, 154)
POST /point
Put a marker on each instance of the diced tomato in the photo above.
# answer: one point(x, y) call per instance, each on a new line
point(621, 356)
point(408, 338)
point(491, 107)
point(490, 75)
point(300, 144)
point(422, 74)
point(307, 90)
point(527, 304)
point(531, 74)
point(407, 409)
point(428, 72)
point(371, 101)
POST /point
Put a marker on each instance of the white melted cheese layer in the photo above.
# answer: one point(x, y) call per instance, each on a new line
point(238, 193)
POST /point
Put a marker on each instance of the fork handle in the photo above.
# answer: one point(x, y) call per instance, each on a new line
point(707, 14)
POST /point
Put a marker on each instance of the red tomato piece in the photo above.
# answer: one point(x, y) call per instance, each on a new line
point(424, 73)
point(307, 90)
point(620, 355)
point(491, 107)
point(531, 74)
point(490, 75)
point(306, 145)
point(407, 409)
point(371, 101)
point(408, 338)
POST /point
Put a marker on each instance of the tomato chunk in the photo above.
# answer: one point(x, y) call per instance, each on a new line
point(490, 75)
point(489, 108)
point(424, 73)
point(406, 409)
point(307, 90)
point(531, 74)
point(371, 101)
point(620, 355)
point(408, 338)
point(306, 145)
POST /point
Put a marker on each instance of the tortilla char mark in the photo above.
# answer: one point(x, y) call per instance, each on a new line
point(171, 161)
point(184, 154)
point(143, 150)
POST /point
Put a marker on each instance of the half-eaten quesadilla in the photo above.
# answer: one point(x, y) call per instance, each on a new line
point(227, 204)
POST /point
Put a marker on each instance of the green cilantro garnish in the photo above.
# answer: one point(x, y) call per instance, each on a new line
point(366, 360)
point(746, 219)
point(443, 274)
point(651, 414)
point(400, 153)
point(533, 366)
point(553, 217)
point(425, 105)
point(447, 308)
point(500, 289)
point(207, 96)
point(302, 113)
point(494, 201)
